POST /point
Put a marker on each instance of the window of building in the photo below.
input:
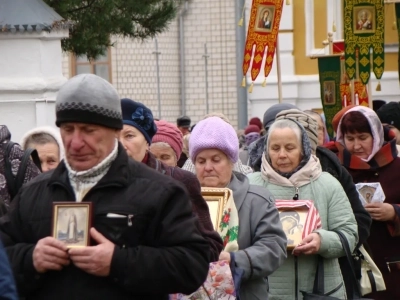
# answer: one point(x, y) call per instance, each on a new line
point(101, 66)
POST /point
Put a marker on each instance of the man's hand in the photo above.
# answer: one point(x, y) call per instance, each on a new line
point(50, 254)
point(309, 245)
point(95, 260)
point(381, 211)
point(225, 256)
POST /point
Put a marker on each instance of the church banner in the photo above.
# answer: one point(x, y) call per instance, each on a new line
point(329, 79)
point(364, 28)
point(265, 17)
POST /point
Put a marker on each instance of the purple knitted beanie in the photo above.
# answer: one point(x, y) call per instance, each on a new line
point(214, 133)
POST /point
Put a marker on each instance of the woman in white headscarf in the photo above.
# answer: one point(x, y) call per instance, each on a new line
point(47, 141)
point(363, 151)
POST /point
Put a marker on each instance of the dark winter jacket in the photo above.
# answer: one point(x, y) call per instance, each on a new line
point(7, 285)
point(15, 157)
point(199, 205)
point(384, 246)
point(158, 252)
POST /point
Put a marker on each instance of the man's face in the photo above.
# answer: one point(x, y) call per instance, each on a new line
point(86, 145)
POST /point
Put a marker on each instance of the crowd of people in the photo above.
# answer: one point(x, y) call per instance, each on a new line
point(151, 233)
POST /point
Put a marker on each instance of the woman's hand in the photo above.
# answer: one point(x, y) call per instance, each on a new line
point(309, 245)
point(381, 211)
point(225, 256)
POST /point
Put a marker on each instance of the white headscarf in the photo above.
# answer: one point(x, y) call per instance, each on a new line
point(55, 133)
point(376, 129)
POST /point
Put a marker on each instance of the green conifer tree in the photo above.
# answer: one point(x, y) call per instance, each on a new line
point(93, 22)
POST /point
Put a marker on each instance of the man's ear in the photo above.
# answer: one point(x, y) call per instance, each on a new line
point(117, 133)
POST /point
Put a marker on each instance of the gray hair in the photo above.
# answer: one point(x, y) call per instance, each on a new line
point(166, 145)
point(40, 139)
point(286, 123)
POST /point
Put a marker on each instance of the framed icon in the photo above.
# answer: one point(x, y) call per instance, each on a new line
point(216, 199)
point(71, 223)
point(364, 19)
point(265, 18)
point(329, 92)
point(293, 221)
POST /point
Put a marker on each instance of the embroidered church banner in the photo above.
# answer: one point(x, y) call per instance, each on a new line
point(262, 33)
point(364, 28)
point(330, 79)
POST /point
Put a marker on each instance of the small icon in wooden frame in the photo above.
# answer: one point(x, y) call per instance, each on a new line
point(71, 223)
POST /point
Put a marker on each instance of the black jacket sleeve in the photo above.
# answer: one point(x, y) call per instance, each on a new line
point(200, 208)
point(363, 218)
point(7, 285)
point(331, 164)
point(177, 262)
point(12, 232)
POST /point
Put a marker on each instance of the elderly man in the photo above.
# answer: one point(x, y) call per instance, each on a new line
point(145, 241)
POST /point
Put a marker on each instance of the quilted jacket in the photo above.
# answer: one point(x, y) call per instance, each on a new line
point(336, 214)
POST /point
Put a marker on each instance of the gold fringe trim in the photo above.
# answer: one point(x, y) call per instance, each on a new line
point(240, 23)
point(244, 81)
point(264, 84)
point(251, 88)
point(378, 87)
point(287, 2)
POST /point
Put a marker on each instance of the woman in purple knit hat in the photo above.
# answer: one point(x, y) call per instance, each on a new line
point(214, 149)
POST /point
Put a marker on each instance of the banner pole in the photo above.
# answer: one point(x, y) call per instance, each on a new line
point(278, 69)
point(370, 82)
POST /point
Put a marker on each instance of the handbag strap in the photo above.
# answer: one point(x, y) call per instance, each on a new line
point(319, 288)
point(349, 257)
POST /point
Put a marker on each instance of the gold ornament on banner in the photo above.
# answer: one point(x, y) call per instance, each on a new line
point(378, 87)
point(240, 23)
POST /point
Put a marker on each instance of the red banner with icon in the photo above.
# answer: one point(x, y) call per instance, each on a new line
point(262, 33)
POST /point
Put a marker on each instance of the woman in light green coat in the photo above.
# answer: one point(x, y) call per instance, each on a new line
point(291, 172)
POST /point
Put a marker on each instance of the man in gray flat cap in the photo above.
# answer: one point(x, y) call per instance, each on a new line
point(144, 239)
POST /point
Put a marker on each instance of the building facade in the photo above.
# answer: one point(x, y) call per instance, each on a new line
point(192, 67)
